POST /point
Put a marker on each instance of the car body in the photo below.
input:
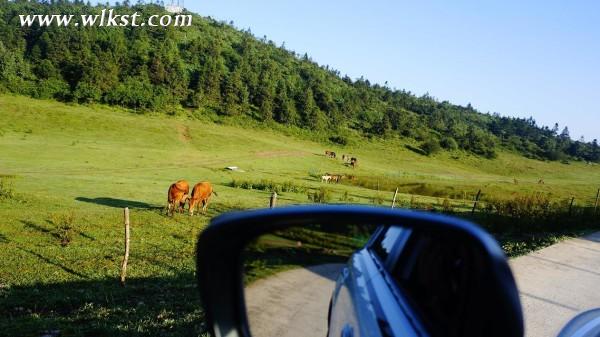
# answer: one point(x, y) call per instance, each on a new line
point(365, 301)
point(407, 284)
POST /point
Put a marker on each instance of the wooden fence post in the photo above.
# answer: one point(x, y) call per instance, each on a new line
point(597, 199)
point(571, 206)
point(273, 201)
point(126, 257)
point(476, 202)
point(394, 200)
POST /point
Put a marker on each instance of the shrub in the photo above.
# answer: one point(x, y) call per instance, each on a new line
point(341, 140)
point(269, 185)
point(431, 146)
point(378, 199)
point(447, 206)
point(535, 213)
point(426, 189)
point(390, 184)
point(449, 143)
point(64, 227)
point(523, 206)
point(322, 195)
point(315, 173)
point(346, 197)
point(421, 134)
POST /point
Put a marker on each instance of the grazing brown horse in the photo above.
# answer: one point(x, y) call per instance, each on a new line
point(330, 154)
point(178, 195)
point(201, 195)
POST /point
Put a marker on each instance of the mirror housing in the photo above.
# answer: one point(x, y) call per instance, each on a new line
point(220, 245)
point(586, 324)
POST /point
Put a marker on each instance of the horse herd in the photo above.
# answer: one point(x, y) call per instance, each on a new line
point(179, 192)
point(179, 195)
point(336, 178)
point(352, 161)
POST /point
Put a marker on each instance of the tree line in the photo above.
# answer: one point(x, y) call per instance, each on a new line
point(213, 67)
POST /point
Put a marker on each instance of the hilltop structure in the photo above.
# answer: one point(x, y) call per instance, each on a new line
point(175, 6)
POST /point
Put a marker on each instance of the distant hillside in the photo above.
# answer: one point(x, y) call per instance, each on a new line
point(214, 68)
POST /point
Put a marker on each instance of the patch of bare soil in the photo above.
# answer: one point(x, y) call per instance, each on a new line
point(184, 133)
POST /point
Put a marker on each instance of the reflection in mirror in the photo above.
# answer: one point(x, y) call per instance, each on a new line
point(441, 277)
point(290, 276)
point(349, 280)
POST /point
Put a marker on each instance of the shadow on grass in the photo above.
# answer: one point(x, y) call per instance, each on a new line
point(119, 203)
point(216, 208)
point(415, 150)
point(33, 226)
point(51, 262)
point(162, 306)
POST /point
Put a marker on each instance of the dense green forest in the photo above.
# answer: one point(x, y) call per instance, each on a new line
point(213, 67)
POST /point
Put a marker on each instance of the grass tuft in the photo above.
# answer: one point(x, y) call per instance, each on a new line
point(6, 188)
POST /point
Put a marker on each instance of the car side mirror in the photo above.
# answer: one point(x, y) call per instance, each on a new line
point(391, 272)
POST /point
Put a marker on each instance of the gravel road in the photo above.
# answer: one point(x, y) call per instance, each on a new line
point(555, 283)
point(292, 303)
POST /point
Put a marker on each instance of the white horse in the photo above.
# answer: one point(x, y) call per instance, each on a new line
point(325, 179)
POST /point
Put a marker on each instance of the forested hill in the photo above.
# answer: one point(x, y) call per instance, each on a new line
point(213, 68)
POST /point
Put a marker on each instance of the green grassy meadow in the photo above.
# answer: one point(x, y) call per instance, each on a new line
point(71, 169)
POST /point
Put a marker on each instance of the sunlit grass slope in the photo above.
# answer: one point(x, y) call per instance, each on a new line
point(72, 169)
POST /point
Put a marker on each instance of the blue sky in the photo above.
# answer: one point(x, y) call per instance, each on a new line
point(518, 58)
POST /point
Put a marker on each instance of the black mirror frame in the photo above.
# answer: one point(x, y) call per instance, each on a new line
point(219, 247)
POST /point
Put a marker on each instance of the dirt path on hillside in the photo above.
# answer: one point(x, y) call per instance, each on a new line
point(292, 303)
point(556, 283)
point(184, 132)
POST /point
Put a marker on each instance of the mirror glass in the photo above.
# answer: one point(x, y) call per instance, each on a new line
point(323, 280)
